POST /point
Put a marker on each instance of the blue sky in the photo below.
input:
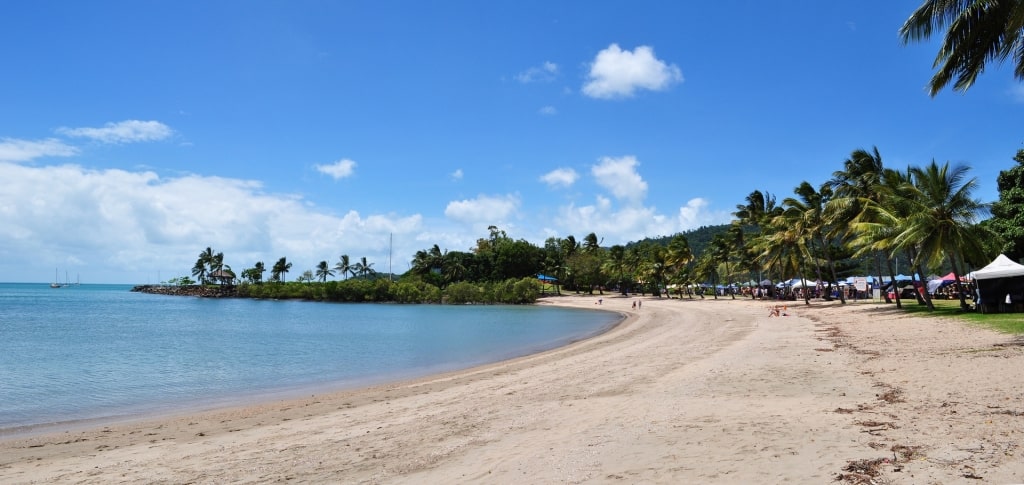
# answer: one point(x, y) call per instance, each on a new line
point(134, 135)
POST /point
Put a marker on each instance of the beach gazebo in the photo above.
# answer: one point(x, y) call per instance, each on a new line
point(222, 277)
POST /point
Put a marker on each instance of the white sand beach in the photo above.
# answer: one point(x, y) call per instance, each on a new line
point(684, 391)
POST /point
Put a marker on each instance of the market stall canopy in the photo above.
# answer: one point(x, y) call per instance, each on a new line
point(1001, 267)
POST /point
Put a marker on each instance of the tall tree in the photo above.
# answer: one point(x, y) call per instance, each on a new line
point(1008, 212)
point(343, 266)
point(944, 221)
point(280, 270)
point(978, 32)
point(323, 270)
point(854, 188)
point(809, 208)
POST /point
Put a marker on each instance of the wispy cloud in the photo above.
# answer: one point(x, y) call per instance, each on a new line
point(561, 177)
point(457, 174)
point(548, 111)
point(15, 150)
point(546, 72)
point(129, 131)
point(338, 170)
point(617, 73)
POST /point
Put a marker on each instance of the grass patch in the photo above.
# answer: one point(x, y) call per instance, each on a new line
point(1003, 322)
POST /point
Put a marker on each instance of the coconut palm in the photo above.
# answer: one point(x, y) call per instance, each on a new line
point(364, 268)
point(280, 270)
point(204, 264)
point(979, 31)
point(590, 243)
point(854, 188)
point(943, 219)
point(343, 266)
point(323, 270)
point(808, 216)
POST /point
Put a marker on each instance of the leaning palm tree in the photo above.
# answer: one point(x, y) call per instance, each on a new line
point(323, 270)
point(204, 264)
point(854, 188)
point(280, 269)
point(344, 266)
point(942, 222)
point(979, 31)
point(808, 215)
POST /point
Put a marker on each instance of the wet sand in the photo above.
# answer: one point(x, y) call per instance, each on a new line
point(683, 391)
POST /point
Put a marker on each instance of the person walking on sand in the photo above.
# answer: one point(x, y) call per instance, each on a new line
point(634, 304)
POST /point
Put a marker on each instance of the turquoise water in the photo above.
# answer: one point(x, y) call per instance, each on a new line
point(100, 351)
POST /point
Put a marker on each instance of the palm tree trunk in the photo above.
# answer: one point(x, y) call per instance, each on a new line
point(878, 271)
point(832, 269)
point(959, 285)
point(895, 289)
point(927, 297)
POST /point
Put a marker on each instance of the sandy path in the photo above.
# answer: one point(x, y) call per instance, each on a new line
point(685, 391)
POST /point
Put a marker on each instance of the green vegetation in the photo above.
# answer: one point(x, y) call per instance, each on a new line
point(1004, 322)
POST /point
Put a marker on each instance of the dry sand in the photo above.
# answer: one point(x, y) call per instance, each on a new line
point(684, 391)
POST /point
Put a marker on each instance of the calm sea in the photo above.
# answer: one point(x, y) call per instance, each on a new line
point(100, 351)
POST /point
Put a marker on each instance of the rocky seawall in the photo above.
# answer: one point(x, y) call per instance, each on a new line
point(202, 291)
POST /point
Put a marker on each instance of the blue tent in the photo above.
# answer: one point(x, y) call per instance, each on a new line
point(546, 278)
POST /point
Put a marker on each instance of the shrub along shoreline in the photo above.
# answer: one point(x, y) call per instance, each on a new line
point(510, 291)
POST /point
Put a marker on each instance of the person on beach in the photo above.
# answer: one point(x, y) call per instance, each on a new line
point(634, 304)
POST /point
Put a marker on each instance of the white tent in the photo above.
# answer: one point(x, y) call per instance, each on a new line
point(1000, 286)
point(1001, 267)
point(800, 284)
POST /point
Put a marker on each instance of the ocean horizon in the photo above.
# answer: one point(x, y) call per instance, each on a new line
point(96, 352)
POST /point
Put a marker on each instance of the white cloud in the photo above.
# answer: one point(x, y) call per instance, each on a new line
point(338, 170)
point(695, 214)
point(122, 132)
point(457, 174)
point(14, 150)
point(561, 177)
point(548, 111)
point(546, 72)
point(492, 210)
point(632, 223)
point(139, 223)
point(616, 73)
point(619, 176)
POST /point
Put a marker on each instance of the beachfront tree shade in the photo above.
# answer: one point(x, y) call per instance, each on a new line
point(977, 32)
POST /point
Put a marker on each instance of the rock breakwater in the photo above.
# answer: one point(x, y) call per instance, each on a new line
point(203, 291)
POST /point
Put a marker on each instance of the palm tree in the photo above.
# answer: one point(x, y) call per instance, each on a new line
point(616, 264)
point(590, 243)
point(343, 266)
point(280, 269)
point(678, 258)
point(205, 261)
point(854, 188)
point(259, 269)
point(323, 270)
point(979, 31)
point(942, 222)
point(808, 216)
point(363, 268)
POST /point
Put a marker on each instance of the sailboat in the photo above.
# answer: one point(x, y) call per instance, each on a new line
point(56, 281)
